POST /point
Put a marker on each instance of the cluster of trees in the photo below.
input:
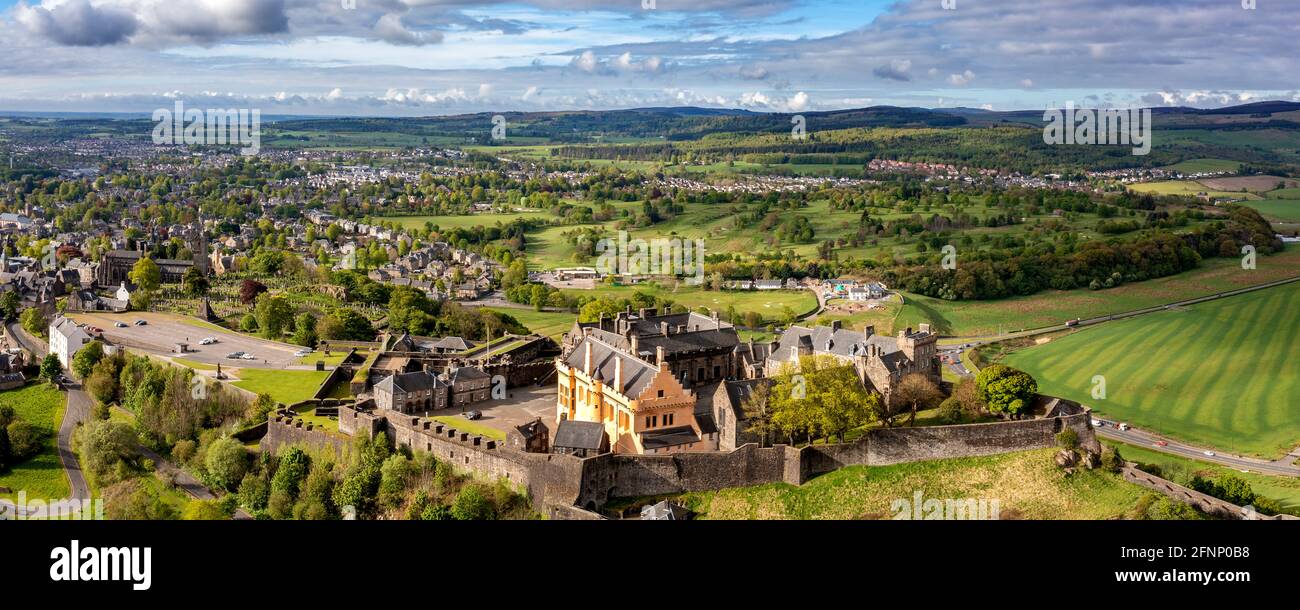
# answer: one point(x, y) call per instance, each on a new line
point(1236, 490)
point(19, 440)
point(370, 480)
point(171, 404)
point(1093, 264)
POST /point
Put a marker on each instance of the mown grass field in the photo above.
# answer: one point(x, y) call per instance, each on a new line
point(545, 323)
point(1194, 166)
point(1221, 374)
point(1027, 485)
point(41, 475)
point(1189, 188)
point(286, 387)
point(1286, 490)
point(769, 303)
point(983, 318)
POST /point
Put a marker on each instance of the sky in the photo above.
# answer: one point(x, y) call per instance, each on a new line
point(436, 57)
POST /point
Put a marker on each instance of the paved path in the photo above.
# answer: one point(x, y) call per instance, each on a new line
point(79, 407)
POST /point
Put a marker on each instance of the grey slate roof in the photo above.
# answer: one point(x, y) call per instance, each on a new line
point(410, 382)
point(669, 437)
point(579, 435)
point(637, 373)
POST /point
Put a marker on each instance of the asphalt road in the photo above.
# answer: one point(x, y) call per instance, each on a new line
point(1281, 467)
point(79, 405)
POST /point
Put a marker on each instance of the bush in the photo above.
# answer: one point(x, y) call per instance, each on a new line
point(183, 451)
point(951, 411)
point(226, 461)
point(254, 492)
point(205, 510)
point(24, 440)
point(471, 504)
point(1068, 438)
point(1111, 460)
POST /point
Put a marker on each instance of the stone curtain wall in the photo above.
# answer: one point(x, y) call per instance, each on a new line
point(283, 432)
point(1202, 502)
point(588, 483)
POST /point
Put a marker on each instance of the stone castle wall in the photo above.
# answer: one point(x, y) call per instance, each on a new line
point(554, 480)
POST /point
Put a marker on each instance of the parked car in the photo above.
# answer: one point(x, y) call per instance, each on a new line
point(303, 352)
point(249, 357)
point(140, 322)
point(120, 324)
point(472, 415)
point(208, 341)
point(235, 355)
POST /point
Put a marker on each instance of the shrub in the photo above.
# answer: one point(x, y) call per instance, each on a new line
point(24, 440)
point(1068, 438)
point(1111, 460)
point(471, 504)
point(226, 461)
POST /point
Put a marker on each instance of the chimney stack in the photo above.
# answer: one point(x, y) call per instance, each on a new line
point(636, 344)
point(586, 360)
point(659, 356)
point(618, 375)
point(663, 329)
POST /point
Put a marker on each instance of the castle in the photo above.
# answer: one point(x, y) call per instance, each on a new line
point(668, 383)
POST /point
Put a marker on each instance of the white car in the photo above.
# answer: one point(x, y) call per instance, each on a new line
point(1209, 453)
point(303, 352)
point(208, 341)
point(249, 357)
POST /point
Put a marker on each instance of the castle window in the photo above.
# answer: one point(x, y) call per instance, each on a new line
point(661, 393)
point(668, 419)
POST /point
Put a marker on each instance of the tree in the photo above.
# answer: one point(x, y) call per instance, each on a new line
point(248, 323)
point(51, 368)
point(249, 290)
point(757, 417)
point(34, 322)
point(145, 274)
point(194, 283)
point(304, 330)
point(226, 461)
point(918, 392)
point(205, 510)
point(1006, 390)
point(592, 310)
point(9, 304)
point(273, 314)
point(86, 358)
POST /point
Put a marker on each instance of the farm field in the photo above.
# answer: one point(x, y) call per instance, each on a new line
point(41, 475)
point(1189, 188)
point(463, 221)
point(982, 318)
point(1027, 484)
point(1284, 210)
point(1195, 166)
point(1210, 374)
point(1286, 490)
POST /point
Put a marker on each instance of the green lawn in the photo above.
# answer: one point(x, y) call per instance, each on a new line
point(472, 427)
point(1027, 485)
point(1183, 187)
point(1286, 490)
point(982, 318)
point(41, 476)
point(446, 223)
point(768, 303)
point(545, 323)
point(334, 359)
point(1221, 374)
point(286, 387)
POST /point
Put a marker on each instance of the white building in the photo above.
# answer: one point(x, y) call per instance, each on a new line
point(66, 338)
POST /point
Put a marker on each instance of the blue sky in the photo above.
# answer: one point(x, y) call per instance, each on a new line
point(420, 57)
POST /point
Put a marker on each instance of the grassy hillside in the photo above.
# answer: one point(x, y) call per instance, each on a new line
point(1027, 485)
point(42, 476)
